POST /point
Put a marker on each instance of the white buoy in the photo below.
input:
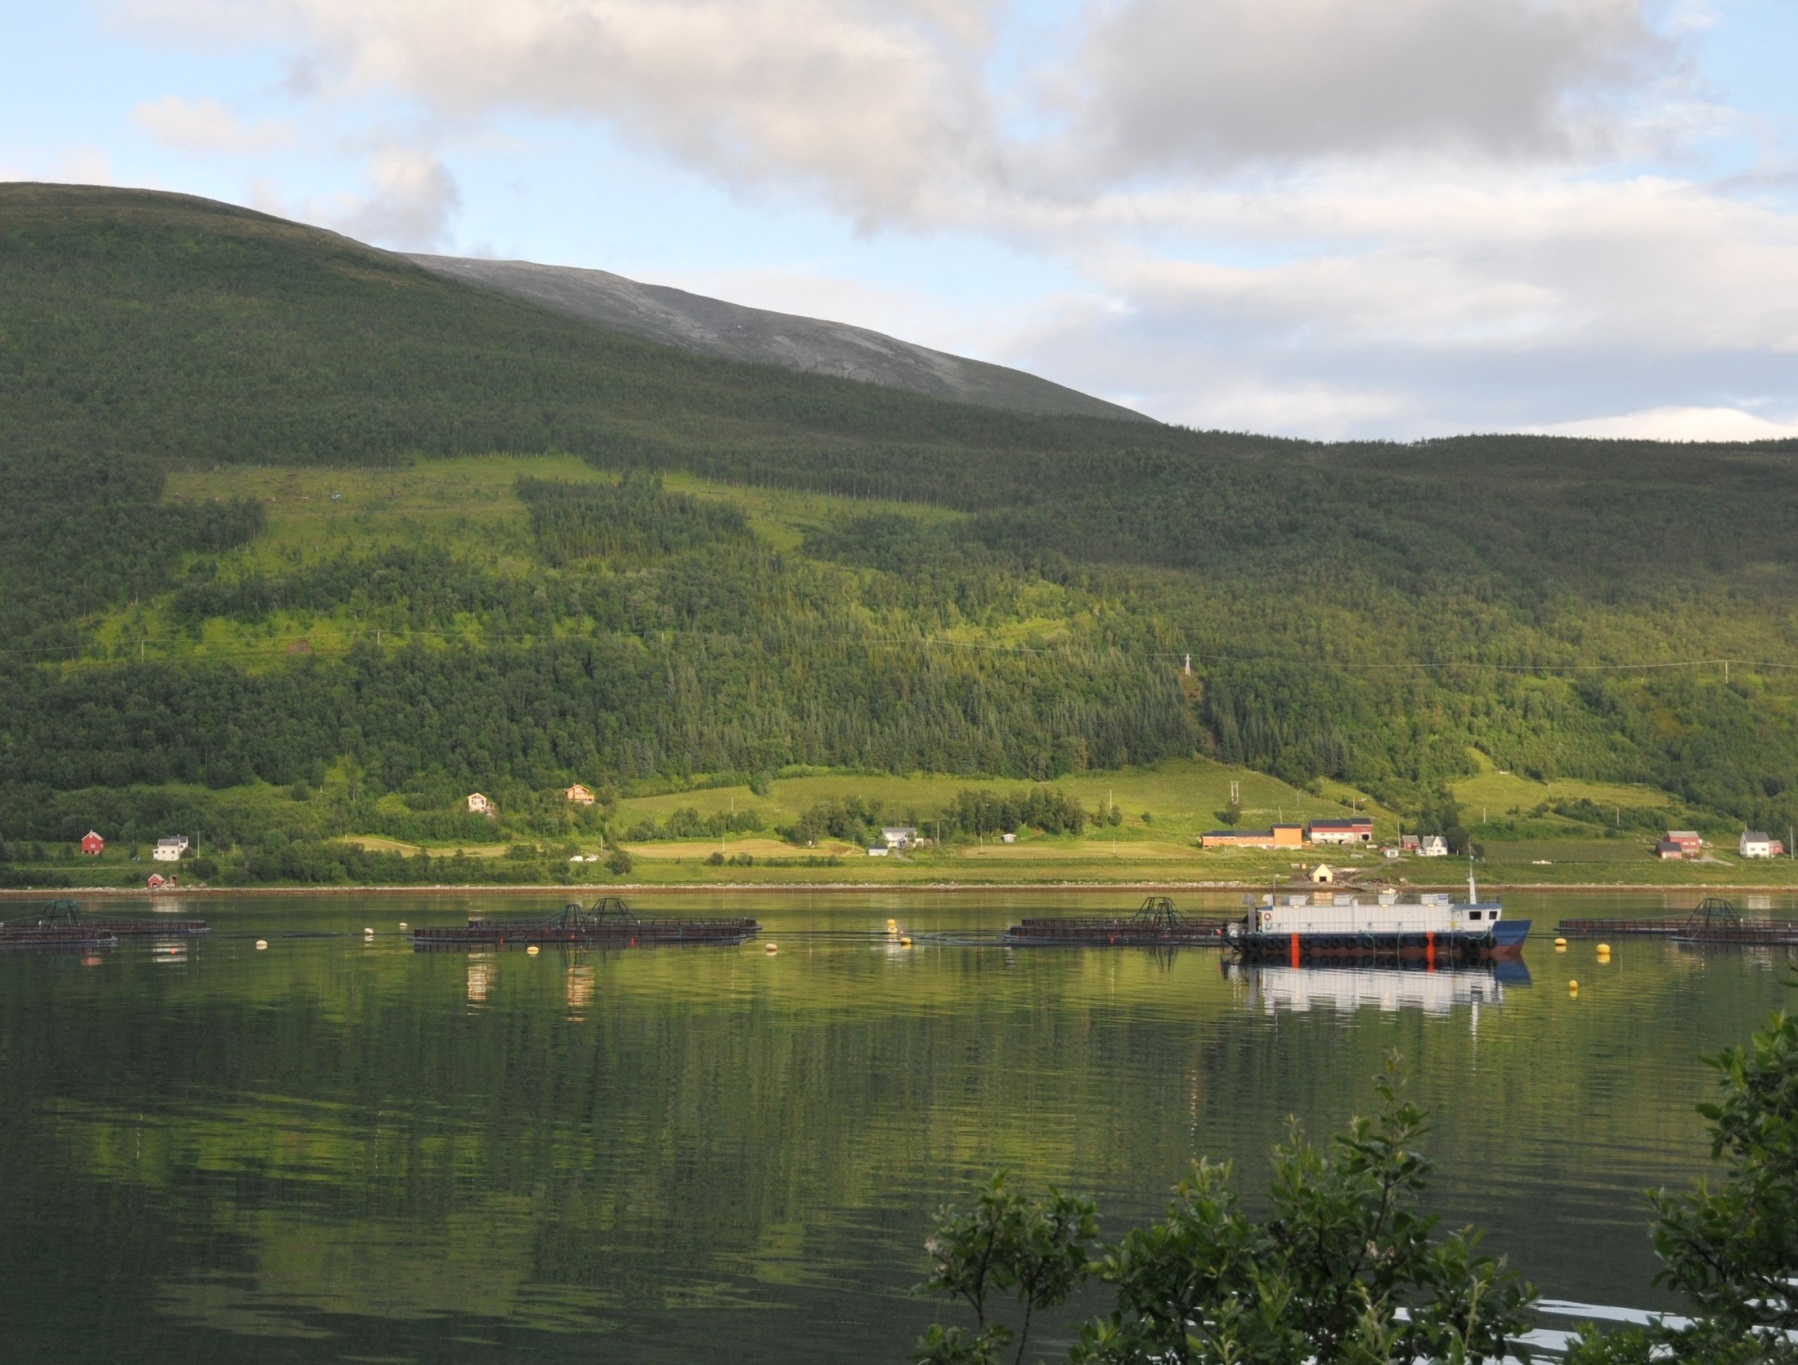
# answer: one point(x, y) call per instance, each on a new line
point(402, 924)
point(532, 951)
point(261, 945)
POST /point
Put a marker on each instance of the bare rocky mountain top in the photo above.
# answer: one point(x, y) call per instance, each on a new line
point(731, 331)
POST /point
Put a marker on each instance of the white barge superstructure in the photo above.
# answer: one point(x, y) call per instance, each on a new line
point(1434, 927)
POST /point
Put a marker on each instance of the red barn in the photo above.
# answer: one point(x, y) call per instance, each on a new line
point(92, 844)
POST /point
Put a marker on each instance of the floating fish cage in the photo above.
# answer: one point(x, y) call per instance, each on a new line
point(1156, 924)
point(610, 923)
point(1714, 921)
point(69, 913)
point(63, 923)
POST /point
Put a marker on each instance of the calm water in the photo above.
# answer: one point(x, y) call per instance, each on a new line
point(335, 1149)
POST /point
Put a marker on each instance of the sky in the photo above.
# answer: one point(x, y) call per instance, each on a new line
point(1324, 218)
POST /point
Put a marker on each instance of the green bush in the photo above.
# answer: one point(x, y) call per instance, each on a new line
point(1344, 1268)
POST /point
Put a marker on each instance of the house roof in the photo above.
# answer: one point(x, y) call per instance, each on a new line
point(1354, 822)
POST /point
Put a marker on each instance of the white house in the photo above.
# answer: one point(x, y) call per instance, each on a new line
point(480, 805)
point(1432, 846)
point(170, 850)
point(1756, 844)
point(899, 836)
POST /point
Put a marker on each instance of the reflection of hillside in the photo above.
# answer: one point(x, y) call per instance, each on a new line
point(607, 1134)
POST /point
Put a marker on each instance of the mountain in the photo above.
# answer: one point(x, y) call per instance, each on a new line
point(285, 508)
point(673, 317)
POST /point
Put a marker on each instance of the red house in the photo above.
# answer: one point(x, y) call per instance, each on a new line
point(92, 844)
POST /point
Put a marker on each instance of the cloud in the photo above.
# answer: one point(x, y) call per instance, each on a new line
point(862, 102)
point(1678, 424)
point(1170, 83)
point(207, 126)
point(887, 108)
point(409, 203)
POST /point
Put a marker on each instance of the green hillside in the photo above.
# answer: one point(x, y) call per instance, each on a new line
point(288, 512)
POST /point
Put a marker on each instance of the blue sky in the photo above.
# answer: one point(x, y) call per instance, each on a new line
point(1395, 218)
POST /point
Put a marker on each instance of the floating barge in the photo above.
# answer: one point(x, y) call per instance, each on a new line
point(610, 923)
point(1432, 930)
point(63, 923)
point(1714, 921)
point(1156, 924)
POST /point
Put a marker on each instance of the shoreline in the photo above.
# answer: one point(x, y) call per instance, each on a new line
point(738, 888)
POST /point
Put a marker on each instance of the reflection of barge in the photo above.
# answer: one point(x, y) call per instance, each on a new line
point(1156, 924)
point(63, 923)
point(1347, 989)
point(1431, 929)
point(609, 924)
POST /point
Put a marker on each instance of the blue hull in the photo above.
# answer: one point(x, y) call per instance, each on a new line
point(1510, 933)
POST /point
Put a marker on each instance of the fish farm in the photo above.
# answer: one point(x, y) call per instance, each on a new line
point(610, 923)
point(63, 923)
point(1156, 924)
point(1714, 921)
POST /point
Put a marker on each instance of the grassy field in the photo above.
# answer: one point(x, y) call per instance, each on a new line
point(1182, 798)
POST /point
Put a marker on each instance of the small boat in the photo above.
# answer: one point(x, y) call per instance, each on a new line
point(1156, 924)
point(1432, 929)
point(610, 923)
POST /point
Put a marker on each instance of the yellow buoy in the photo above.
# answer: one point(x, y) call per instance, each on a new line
point(772, 948)
point(905, 942)
point(261, 944)
point(368, 933)
point(532, 951)
point(892, 926)
point(1604, 950)
point(1560, 943)
point(1573, 988)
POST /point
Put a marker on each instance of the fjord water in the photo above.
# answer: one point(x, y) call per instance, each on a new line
point(336, 1148)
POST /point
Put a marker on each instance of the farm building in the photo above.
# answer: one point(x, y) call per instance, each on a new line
point(1353, 831)
point(577, 795)
point(92, 844)
point(1280, 836)
point(169, 850)
point(1686, 840)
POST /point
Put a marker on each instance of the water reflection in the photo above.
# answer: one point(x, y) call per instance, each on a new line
point(480, 977)
point(1388, 989)
point(366, 1152)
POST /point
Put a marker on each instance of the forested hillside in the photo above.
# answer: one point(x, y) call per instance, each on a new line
point(1019, 603)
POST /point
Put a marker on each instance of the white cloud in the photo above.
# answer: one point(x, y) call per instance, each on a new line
point(207, 126)
point(863, 102)
point(409, 202)
point(1678, 424)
